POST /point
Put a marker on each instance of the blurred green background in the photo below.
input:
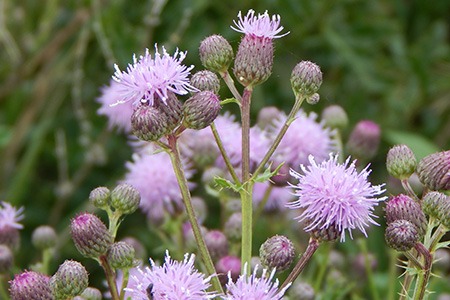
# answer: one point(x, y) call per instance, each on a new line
point(388, 61)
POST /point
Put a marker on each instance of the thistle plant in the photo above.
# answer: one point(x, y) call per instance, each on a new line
point(295, 171)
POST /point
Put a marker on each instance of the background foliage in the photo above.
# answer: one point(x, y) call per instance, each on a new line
point(388, 61)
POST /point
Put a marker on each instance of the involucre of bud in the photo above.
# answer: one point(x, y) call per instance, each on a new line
point(99, 197)
point(306, 78)
point(30, 285)
point(44, 237)
point(147, 123)
point(125, 198)
point(90, 235)
point(172, 112)
point(70, 280)
point(217, 244)
point(328, 234)
point(313, 99)
point(401, 235)
point(206, 81)
point(437, 205)
point(277, 252)
point(364, 140)
point(434, 171)
point(335, 117)
point(401, 162)
point(402, 207)
point(6, 259)
point(91, 293)
point(139, 249)
point(201, 110)
point(121, 256)
point(254, 60)
point(216, 54)
point(301, 290)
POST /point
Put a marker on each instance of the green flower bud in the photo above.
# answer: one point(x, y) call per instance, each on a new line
point(313, 99)
point(434, 171)
point(44, 237)
point(148, 123)
point(99, 197)
point(206, 81)
point(401, 235)
point(216, 53)
point(301, 290)
point(437, 205)
point(125, 198)
point(335, 117)
point(277, 252)
point(91, 293)
point(306, 78)
point(201, 110)
point(70, 280)
point(364, 140)
point(121, 256)
point(401, 162)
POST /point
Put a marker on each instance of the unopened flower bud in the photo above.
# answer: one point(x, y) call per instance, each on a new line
point(267, 115)
point(70, 280)
point(301, 290)
point(283, 176)
point(233, 225)
point(306, 78)
point(172, 111)
point(254, 60)
point(91, 293)
point(401, 235)
point(90, 235)
point(364, 140)
point(201, 110)
point(147, 123)
point(216, 54)
point(402, 207)
point(139, 249)
point(401, 162)
point(121, 256)
point(99, 197)
point(44, 237)
point(326, 234)
point(437, 205)
point(277, 252)
point(125, 198)
point(217, 244)
point(434, 171)
point(313, 99)
point(10, 236)
point(206, 81)
point(6, 259)
point(335, 117)
point(228, 265)
point(30, 285)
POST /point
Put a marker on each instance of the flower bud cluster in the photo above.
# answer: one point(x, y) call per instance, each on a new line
point(124, 198)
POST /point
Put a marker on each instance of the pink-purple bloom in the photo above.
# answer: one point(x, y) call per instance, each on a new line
point(10, 216)
point(277, 197)
point(173, 280)
point(337, 195)
point(260, 26)
point(150, 78)
point(254, 288)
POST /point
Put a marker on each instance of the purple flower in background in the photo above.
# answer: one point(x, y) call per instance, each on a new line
point(335, 195)
point(259, 26)
point(148, 79)
point(173, 280)
point(254, 288)
point(10, 216)
point(118, 115)
point(304, 137)
point(153, 176)
point(277, 199)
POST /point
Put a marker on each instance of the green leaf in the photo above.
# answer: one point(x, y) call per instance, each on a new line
point(267, 174)
point(229, 100)
point(418, 144)
point(224, 183)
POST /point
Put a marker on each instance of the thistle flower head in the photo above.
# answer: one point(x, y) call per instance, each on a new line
point(150, 78)
point(173, 280)
point(401, 235)
point(434, 171)
point(403, 207)
point(262, 25)
point(30, 285)
point(336, 196)
point(216, 53)
point(70, 280)
point(364, 140)
point(401, 162)
point(277, 252)
point(254, 287)
point(10, 216)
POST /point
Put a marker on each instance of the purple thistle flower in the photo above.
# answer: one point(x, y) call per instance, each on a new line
point(153, 176)
point(10, 216)
point(304, 137)
point(149, 77)
point(278, 197)
point(118, 115)
point(335, 195)
point(254, 288)
point(259, 26)
point(173, 280)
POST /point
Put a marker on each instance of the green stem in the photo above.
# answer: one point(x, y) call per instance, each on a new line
point(323, 266)
point(424, 275)
point(407, 187)
point(110, 277)
point(230, 83)
point(47, 255)
point(3, 290)
point(114, 221)
point(392, 274)
point(247, 191)
point(313, 245)
point(125, 277)
point(367, 264)
point(224, 154)
point(182, 182)
point(276, 142)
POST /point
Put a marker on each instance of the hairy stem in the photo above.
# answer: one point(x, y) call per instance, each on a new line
point(110, 277)
point(424, 275)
